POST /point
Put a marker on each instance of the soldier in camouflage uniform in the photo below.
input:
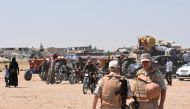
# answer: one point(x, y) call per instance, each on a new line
point(107, 88)
point(155, 76)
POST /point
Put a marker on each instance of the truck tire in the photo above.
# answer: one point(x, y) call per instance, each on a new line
point(28, 75)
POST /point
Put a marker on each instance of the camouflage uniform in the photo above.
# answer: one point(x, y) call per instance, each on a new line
point(99, 89)
point(155, 77)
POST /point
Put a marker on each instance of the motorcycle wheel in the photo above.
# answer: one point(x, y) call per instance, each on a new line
point(85, 88)
point(64, 77)
point(72, 79)
point(58, 79)
point(92, 88)
point(77, 79)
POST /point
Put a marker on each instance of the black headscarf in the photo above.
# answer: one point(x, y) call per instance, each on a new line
point(13, 60)
point(13, 64)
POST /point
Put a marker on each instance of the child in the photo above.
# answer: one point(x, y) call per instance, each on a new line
point(6, 73)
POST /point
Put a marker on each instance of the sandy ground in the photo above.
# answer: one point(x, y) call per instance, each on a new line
point(35, 94)
point(23, 65)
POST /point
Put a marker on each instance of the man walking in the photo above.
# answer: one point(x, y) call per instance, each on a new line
point(168, 75)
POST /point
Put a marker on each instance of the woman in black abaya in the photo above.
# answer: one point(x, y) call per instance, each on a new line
point(14, 72)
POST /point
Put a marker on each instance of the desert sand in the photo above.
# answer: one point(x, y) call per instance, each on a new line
point(35, 94)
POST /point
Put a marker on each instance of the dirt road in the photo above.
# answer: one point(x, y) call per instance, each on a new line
point(35, 94)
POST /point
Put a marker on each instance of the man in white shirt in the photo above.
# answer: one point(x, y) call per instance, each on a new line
point(186, 57)
point(169, 69)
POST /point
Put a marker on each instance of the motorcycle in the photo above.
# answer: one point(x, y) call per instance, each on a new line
point(87, 83)
point(73, 77)
point(101, 74)
point(76, 76)
point(63, 75)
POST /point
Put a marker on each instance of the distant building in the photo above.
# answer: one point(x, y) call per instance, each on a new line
point(24, 49)
point(83, 49)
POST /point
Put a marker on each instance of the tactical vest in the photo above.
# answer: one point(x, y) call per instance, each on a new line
point(145, 88)
point(111, 84)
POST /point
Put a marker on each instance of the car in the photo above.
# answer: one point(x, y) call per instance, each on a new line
point(183, 72)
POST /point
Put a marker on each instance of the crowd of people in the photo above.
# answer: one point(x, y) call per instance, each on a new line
point(148, 90)
point(49, 68)
point(114, 88)
point(148, 87)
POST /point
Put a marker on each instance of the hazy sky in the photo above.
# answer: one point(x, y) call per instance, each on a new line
point(107, 24)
